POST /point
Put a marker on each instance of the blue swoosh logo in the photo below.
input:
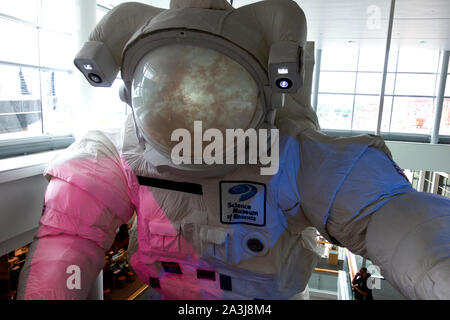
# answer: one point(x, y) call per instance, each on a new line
point(247, 190)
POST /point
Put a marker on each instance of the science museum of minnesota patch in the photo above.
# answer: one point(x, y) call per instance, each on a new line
point(243, 202)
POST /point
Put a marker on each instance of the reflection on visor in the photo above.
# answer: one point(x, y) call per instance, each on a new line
point(175, 85)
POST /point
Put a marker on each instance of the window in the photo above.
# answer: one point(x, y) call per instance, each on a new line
point(368, 83)
point(434, 182)
point(35, 77)
point(365, 112)
point(339, 59)
point(337, 82)
point(53, 17)
point(447, 86)
point(371, 59)
point(444, 185)
point(38, 81)
point(22, 40)
point(414, 92)
point(413, 178)
point(445, 121)
point(101, 12)
point(334, 111)
point(21, 9)
point(56, 50)
point(412, 115)
point(110, 111)
point(428, 181)
point(349, 92)
point(444, 129)
point(410, 84)
point(420, 61)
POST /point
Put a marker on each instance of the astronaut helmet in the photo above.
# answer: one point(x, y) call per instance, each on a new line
point(198, 61)
point(177, 84)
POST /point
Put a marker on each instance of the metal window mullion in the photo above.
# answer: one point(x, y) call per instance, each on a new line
point(15, 113)
point(421, 182)
point(435, 182)
point(349, 94)
point(409, 96)
point(39, 62)
point(386, 60)
point(376, 95)
point(388, 72)
point(440, 97)
point(393, 91)
point(415, 72)
point(435, 95)
point(31, 24)
point(30, 66)
point(349, 71)
point(102, 7)
point(317, 79)
point(354, 90)
point(446, 175)
point(67, 34)
point(14, 19)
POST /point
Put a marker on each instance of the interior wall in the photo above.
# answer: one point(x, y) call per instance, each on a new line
point(21, 204)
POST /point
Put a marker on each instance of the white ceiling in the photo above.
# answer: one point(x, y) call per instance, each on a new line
point(418, 23)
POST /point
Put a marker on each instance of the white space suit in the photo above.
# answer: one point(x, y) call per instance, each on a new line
point(226, 232)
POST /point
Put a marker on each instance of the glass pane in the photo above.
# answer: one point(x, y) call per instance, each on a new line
point(20, 104)
point(386, 118)
point(334, 111)
point(444, 129)
point(107, 3)
point(340, 59)
point(418, 61)
point(371, 59)
point(17, 83)
point(57, 103)
point(56, 56)
point(21, 40)
point(392, 63)
point(57, 15)
point(339, 82)
point(390, 81)
point(22, 9)
point(365, 113)
point(447, 87)
point(412, 115)
point(110, 111)
point(100, 14)
point(369, 83)
point(415, 84)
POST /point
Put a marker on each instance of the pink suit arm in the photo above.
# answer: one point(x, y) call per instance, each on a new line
point(78, 225)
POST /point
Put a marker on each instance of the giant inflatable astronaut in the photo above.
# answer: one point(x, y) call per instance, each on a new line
point(225, 231)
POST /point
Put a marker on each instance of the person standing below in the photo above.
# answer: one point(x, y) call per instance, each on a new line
point(359, 285)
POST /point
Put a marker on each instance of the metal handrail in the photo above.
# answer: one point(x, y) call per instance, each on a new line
point(326, 270)
point(352, 266)
point(138, 292)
